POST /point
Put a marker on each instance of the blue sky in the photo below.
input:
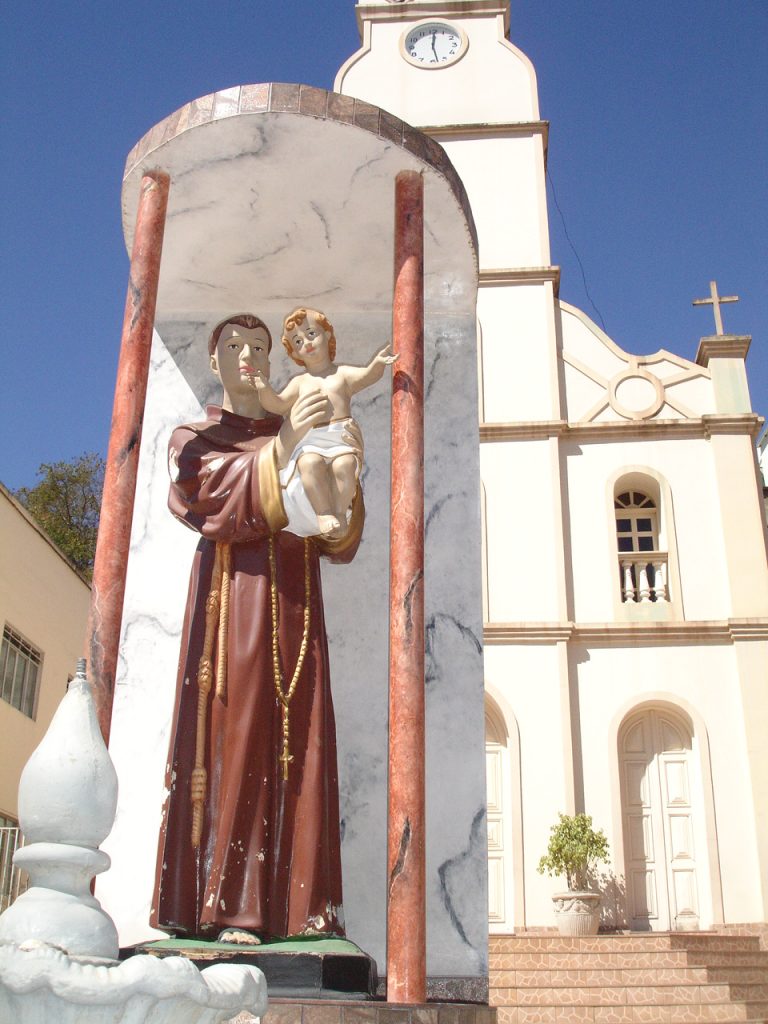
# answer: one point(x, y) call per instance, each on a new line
point(658, 157)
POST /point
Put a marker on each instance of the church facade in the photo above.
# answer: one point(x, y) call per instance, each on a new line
point(625, 577)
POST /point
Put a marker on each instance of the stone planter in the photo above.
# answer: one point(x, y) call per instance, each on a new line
point(577, 912)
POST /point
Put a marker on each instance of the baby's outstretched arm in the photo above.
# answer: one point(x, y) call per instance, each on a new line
point(360, 377)
point(272, 401)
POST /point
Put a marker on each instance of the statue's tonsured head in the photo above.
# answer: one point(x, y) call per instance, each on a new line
point(298, 316)
point(239, 320)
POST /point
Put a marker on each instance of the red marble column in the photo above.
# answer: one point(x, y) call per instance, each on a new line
point(108, 587)
point(406, 906)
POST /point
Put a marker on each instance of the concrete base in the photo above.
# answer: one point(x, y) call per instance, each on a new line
point(310, 1011)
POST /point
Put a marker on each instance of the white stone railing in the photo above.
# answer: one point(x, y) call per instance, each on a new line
point(643, 576)
point(13, 882)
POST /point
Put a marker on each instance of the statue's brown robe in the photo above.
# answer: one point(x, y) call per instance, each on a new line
point(269, 860)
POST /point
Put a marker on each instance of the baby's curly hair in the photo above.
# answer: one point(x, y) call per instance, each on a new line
point(298, 316)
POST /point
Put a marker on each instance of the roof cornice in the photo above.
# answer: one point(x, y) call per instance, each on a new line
point(704, 427)
point(723, 346)
point(610, 634)
point(414, 10)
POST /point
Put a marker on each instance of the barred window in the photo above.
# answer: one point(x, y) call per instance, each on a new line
point(13, 881)
point(19, 672)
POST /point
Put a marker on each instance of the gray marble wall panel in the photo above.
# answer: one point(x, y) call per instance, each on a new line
point(356, 603)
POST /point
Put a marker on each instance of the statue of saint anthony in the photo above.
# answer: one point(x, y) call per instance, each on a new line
point(249, 845)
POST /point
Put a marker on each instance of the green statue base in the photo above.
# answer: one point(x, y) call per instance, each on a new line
point(311, 967)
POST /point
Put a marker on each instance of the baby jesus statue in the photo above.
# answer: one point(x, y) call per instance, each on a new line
point(327, 466)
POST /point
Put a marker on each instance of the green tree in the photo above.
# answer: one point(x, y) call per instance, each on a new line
point(66, 503)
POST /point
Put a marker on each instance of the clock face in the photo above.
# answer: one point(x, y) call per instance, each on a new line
point(433, 44)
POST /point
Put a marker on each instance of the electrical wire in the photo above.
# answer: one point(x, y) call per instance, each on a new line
point(575, 253)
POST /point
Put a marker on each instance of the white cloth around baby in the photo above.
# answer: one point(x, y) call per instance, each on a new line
point(326, 440)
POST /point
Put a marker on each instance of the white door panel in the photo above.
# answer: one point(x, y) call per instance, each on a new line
point(499, 843)
point(661, 870)
point(495, 805)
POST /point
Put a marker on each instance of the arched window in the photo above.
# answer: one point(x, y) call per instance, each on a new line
point(642, 566)
point(637, 526)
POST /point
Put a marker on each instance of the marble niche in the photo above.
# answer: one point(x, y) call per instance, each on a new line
point(251, 228)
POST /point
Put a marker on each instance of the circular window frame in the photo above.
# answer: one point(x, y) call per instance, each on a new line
point(636, 414)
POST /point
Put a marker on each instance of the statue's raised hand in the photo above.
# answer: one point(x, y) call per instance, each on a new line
point(386, 356)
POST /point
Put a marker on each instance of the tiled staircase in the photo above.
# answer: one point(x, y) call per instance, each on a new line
point(632, 977)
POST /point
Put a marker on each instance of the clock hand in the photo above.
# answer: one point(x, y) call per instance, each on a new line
point(434, 36)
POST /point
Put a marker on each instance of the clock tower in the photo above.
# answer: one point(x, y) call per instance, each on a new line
point(448, 68)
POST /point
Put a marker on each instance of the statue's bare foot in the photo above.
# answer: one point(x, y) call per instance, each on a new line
point(343, 518)
point(328, 526)
point(242, 938)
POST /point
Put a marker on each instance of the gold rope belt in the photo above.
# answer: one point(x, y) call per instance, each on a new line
point(217, 621)
point(216, 616)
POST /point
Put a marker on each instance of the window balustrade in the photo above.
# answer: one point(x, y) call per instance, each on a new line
point(643, 576)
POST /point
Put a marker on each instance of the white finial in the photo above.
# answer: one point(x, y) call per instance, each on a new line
point(67, 802)
point(68, 789)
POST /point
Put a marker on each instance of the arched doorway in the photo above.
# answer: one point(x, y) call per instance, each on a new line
point(662, 821)
point(498, 786)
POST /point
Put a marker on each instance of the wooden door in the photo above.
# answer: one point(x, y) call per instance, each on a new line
point(656, 765)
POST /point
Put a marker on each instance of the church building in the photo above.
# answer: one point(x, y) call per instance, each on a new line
point(625, 582)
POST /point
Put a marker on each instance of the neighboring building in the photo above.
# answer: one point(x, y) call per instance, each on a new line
point(43, 611)
point(626, 637)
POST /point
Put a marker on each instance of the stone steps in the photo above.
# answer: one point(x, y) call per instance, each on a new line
point(574, 960)
point(630, 942)
point(738, 975)
point(658, 978)
point(730, 959)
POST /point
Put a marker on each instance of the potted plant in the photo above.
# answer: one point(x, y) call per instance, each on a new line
point(574, 849)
